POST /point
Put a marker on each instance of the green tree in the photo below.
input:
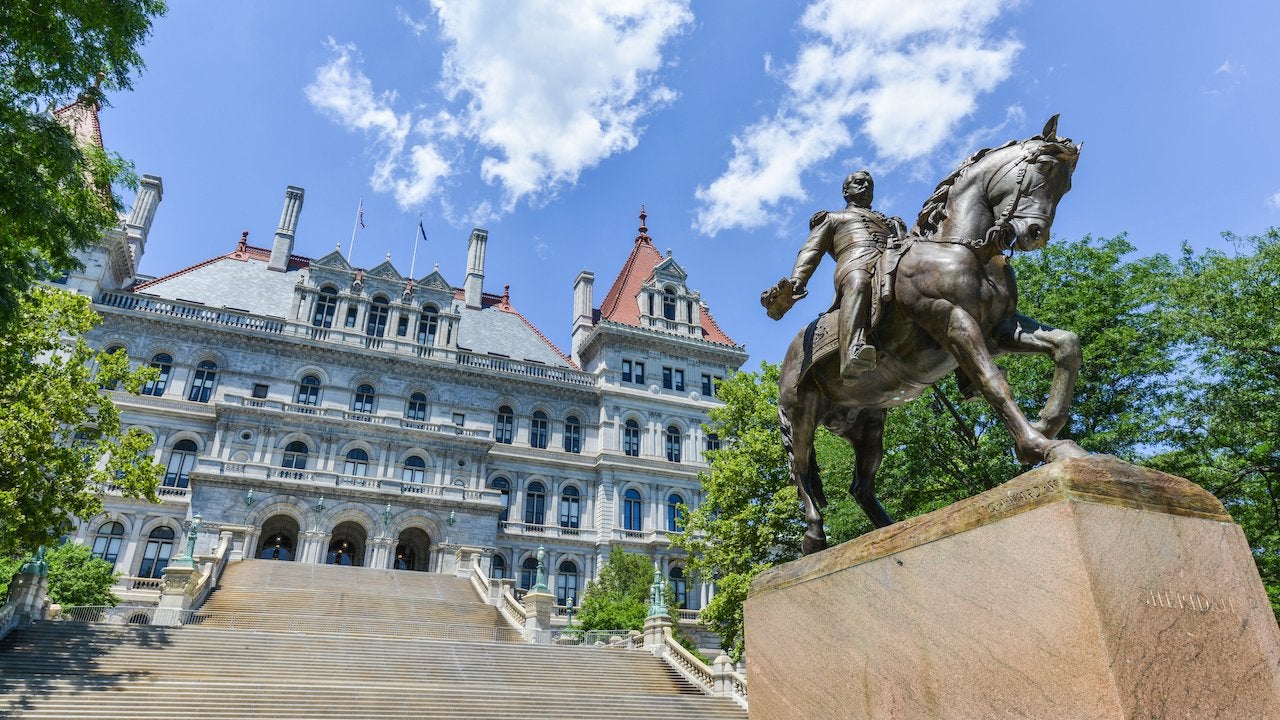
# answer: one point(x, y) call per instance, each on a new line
point(75, 576)
point(55, 193)
point(1226, 418)
point(60, 434)
point(619, 598)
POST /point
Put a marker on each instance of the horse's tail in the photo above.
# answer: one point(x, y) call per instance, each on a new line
point(806, 481)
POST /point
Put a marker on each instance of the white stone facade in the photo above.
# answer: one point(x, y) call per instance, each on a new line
point(314, 404)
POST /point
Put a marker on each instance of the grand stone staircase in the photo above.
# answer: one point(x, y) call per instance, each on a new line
point(358, 665)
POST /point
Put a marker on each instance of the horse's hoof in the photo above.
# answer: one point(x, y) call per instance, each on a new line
point(1064, 450)
point(810, 544)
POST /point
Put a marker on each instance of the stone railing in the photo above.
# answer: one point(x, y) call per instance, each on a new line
point(213, 570)
point(8, 618)
point(721, 680)
point(166, 492)
point(512, 527)
point(192, 311)
point(199, 312)
point(341, 414)
point(328, 478)
point(140, 583)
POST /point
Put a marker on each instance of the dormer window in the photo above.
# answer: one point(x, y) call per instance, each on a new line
point(428, 325)
point(377, 324)
point(669, 304)
point(326, 306)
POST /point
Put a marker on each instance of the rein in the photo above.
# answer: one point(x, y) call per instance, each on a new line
point(1000, 232)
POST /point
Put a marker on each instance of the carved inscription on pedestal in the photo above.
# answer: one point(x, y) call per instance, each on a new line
point(1193, 601)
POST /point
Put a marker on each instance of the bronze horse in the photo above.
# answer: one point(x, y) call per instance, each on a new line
point(954, 303)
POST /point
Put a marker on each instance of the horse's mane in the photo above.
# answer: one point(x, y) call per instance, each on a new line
point(934, 210)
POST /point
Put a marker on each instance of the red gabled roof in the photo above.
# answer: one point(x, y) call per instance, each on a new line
point(81, 118)
point(620, 304)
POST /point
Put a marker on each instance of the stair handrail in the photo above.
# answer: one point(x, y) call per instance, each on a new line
point(720, 681)
point(511, 608)
point(8, 617)
point(213, 575)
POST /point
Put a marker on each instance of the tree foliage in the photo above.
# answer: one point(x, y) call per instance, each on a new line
point(75, 576)
point(60, 434)
point(619, 598)
point(55, 194)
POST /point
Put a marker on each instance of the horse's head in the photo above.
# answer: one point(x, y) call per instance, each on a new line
point(1024, 194)
point(1003, 197)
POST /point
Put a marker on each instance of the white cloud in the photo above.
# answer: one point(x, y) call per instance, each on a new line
point(904, 71)
point(411, 173)
point(553, 88)
point(1225, 67)
point(1274, 200)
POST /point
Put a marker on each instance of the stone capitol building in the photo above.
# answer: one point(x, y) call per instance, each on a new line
point(355, 416)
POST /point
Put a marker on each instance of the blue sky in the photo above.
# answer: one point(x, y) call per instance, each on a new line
point(550, 123)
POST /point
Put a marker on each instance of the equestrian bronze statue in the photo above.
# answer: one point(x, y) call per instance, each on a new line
point(940, 299)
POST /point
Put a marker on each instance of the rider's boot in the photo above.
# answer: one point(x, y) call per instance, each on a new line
point(856, 355)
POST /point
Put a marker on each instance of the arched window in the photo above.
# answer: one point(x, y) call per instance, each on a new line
point(106, 543)
point(295, 455)
point(538, 430)
point(357, 462)
point(669, 304)
point(164, 363)
point(631, 438)
point(499, 567)
point(504, 428)
point(376, 326)
point(570, 508)
point(156, 555)
point(675, 518)
point(528, 572)
point(326, 306)
point(713, 442)
point(673, 443)
point(572, 434)
point(203, 381)
point(680, 588)
point(308, 391)
point(503, 486)
point(362, 401)
point(535, 504)
point(567, 583)
point(415, 470)
point(428, 324)
point(632, 510)
point(181, 459)
point(417, 407)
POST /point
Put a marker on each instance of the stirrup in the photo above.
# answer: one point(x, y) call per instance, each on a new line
point(860, 359)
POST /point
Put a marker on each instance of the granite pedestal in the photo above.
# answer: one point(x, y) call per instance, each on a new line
point(1087, 589)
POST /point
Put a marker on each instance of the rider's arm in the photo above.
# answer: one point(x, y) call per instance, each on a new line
point(818, 244)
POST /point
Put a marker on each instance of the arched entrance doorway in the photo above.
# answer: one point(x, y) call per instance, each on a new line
point(412, 550)
point(347, 545)
point(279, 538)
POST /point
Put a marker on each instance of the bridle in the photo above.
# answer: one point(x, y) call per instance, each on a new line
point(1001, 232)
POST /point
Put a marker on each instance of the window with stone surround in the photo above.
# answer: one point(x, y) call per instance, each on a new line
point(416, 409)
point(362, 401)
point(295, 455)
point(181, 459)
point(357, 463)
point(376, 325)
point(631, 438)
point(162, 362)
point(326, 307)
point(528, 572)
point(308, 391)
point(107, 541)
point(535, 504)
point(415, 470)
point(675, 518)
point(503, 486)
point(570, 507)
point(572, 434)
point(632, 510)
point(504, 426)
point(155, 557)
point(567, 583)
point(428, 324)
point(538, 430)
point(674, 443)
point(202, 383)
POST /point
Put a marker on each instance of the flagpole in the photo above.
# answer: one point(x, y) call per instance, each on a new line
point(354, 226)
point(414, 261)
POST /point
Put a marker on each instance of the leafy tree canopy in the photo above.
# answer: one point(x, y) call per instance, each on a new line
point(60, 435)
point(619, 598)
point(55, 194)
point(75, 576)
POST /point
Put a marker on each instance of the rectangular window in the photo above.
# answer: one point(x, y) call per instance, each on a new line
point(626, 371)
point(351, 317)
point(259, 390)
point(679, 380)
point(666, 378)
point(639, 374)
point(459, 419)
point(402, 326)
point(706, 385)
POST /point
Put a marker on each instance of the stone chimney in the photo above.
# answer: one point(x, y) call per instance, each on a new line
point(138, 226)
point(583, 311)
point(282, 248)
point(474, 286)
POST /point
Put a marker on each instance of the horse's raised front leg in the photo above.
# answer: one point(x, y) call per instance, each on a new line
point(1024, 335)
point(866, 435)
point(798, 421)
point(964, 338)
